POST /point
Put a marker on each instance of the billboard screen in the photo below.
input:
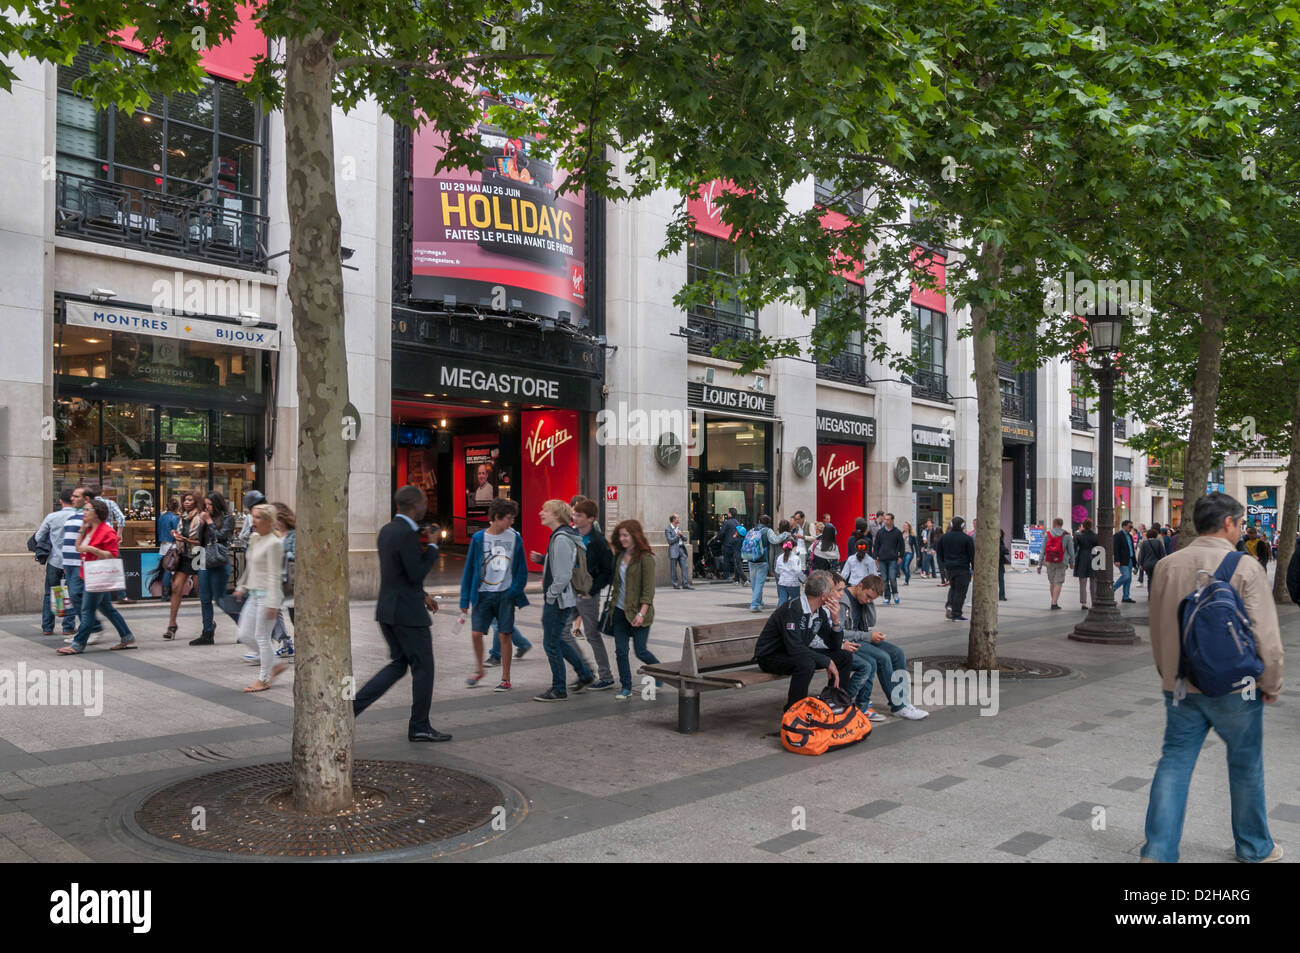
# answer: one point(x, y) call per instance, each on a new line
point(498, 226)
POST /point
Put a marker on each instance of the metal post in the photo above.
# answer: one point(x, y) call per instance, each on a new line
point(688, 710)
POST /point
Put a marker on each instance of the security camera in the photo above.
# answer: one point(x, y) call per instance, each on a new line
point(250, 319)
point(102, 294)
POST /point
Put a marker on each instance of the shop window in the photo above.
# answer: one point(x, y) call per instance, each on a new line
point(930, 351)
point(848, 363)
point(736, 445)
point(829, 193)
point(1078, 398)
point(142, 359)
point(721, 318)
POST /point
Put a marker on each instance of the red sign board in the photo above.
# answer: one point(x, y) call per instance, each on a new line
point(611, 494)
point(704, 211)
point(233, 59)
point(936, 265)
point(550, 469)
point(840, 485)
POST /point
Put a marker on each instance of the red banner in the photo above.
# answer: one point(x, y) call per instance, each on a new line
point(706, 214)
point(936, 265)
point(840, 485)
point(233, 59)
point(550, 470)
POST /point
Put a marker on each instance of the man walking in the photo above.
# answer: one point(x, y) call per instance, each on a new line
point(1058, 557)
point(1237, 717)
point(731, 546)
point(493, 585)
point(957, 556)
point(560, 599)
point(1124, 558)
point(600, 563)
point(402, 610)
point(678, 569)
point(890, 547)
point(50, 537)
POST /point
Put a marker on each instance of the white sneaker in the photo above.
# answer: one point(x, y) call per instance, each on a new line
point(253, 657)
point(94, 637)
point(911, 713)
point(874, 716)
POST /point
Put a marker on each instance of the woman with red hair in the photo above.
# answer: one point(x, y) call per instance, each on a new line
point(632, 598)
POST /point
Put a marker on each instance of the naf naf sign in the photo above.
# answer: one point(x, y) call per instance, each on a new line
point(724, 398)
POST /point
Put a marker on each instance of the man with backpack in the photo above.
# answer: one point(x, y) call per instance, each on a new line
point(1058, 557)
point(564, 577)
point(1218, 649)
point(756, 550)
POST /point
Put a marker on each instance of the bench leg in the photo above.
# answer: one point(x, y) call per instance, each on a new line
point(688, 710)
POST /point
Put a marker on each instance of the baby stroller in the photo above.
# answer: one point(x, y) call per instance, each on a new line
point(708, 562)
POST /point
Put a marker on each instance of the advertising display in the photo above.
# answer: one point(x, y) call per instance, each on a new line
point(1036, 534)
point(839, 487)
point(498, 233)
point(1261, 508)
point(550, 470)
point(477, 480)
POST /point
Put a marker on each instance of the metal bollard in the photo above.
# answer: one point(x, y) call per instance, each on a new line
point(688, 710)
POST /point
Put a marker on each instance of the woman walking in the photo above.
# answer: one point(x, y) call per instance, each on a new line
point(912, 550)
point(633, 596)
point(186, 536)
point(168, 523)
point(827, 553)
point(259, 588)
point(790, 574)
point(216, 527)
point(97, 540)
point(1085, 541)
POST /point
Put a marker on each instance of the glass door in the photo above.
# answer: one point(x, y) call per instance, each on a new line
point(184, 452)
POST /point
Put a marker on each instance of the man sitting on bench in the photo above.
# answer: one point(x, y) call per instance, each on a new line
point(858, 612)
point(803, 635)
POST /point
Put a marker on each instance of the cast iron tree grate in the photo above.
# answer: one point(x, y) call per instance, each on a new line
point(248, 811)
point(1015, 668)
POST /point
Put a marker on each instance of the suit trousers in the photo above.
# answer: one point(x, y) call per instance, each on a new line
point(959, 581)
point(409, 647)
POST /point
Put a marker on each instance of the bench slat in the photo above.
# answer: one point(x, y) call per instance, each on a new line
point(743, 678)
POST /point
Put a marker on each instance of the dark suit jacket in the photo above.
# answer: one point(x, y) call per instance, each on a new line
point(1122, 544)
point(787, 631)
point(402, 569)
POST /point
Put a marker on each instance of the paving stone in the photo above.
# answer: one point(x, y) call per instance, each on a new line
point(999, 760)
point(1080, 812)
point(874, 809)
point(1045, 742)
point(1023, 843)
point(1119, 713)
point(1084, 726)
point(1148, 701)
point(1131, 784)
point(1286, 812)
point(942, 783)
point(783, 843)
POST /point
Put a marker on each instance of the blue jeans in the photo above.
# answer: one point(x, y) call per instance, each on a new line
point(1240, 723)
point(907, 566)
point(1125, 579)
point(53, 575)
point(76, 593)
point(212, 586)
point(927, 563)
point(516, 639)
point(557, 650)
point(757, 576)
point(639, 637)
point(889, 659)
point(91, 603)
point(785, 593)
point(860, 676)
point(889, 569)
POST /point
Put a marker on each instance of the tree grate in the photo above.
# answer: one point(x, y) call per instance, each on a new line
point(1014, 668)
point(248, 811)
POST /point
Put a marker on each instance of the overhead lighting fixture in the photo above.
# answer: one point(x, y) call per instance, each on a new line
point(443, 422)
point(102, 294)
point(505, 418)
point(547, 324)
point(345, 252)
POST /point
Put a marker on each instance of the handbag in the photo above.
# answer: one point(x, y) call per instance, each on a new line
point(606, 624)
point(171, 559)
point(104, 575)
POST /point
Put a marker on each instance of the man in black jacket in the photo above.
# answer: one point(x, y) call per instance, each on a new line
point(890, 547)
point(732, 563)
point(957, 554)
point(402, 610)
point(803, 635)
point(600, 563)
point(1125, 557)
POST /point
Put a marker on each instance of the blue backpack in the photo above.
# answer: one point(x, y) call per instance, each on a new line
point(754, 548)
point(1217, 647)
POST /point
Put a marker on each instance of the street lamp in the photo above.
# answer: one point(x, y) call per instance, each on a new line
point(1104, 623)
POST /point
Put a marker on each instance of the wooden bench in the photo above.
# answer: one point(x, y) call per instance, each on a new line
point(715, 656)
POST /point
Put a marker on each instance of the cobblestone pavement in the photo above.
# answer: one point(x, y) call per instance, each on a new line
point(615, 781)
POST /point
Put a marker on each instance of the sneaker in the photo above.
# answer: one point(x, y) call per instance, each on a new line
point(519, 656)
point(755, 608)
point(947, 612)
point(1133, 601)
point(1054, 606)
point(873, 715)
point(603, 685)
point(503, 687)
point(475, 679)
point(252, 657)
point(582, 683)
point(623, 695)
point(911, 713)
point(285, 650)
point(897, 600)
point(207, 638)
point(550, 695)
point(1274, 856)
point(94, 637)
point(491, 662)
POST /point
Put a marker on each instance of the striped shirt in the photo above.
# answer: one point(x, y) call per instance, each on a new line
point(72, 558)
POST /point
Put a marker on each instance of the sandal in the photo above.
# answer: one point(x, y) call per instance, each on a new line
point(122, 646)
point(475, 679)
point(258, 687)
point(69, 650)
point(170, 633)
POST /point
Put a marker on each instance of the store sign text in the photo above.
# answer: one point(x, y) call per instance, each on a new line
point(542, 449)
point(507, 385)
point(737, 399)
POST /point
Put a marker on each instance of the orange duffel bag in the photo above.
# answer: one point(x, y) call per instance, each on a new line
point(818, 725)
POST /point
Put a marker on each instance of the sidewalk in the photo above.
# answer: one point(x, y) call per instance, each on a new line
point(615, 781)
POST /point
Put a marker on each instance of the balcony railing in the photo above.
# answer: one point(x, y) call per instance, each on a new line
point(930, 384)
point(1079, 419)
point(849, 368)
point(707, 332)
point(1121, 428)
point(1013, 406)
point(109, 212)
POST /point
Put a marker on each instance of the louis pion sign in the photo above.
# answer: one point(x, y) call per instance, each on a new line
point(711, 397)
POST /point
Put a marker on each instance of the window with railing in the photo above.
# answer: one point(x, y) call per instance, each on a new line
point(1013, 401)
point(184, 175)
point(849, 364)
point(1078, 402)
point(722, 318)
point(930, 350)
point(831, 194)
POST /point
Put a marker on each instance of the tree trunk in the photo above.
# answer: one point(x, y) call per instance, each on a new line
point(322, 691)
point(1205, 398)
point(1290, 511)
point(982, 645)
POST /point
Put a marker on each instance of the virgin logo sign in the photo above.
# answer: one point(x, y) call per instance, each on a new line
point(707, 196)
point(833, 476)
point(542, 449)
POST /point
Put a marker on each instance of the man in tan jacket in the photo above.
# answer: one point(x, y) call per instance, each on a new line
point(1238, 717)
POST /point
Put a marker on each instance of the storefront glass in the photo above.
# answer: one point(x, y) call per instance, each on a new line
point(731, 469)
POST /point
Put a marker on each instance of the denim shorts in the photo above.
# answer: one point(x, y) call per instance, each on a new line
point(492, 607)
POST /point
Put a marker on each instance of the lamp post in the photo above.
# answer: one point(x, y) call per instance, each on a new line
point(1104, 623)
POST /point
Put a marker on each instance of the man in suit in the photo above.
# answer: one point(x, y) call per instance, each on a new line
point(405, 558)
point(1124, 557)
point(677, 564)
point(803, 635)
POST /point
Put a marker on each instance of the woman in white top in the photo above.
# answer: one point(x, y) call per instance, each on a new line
point(259, 586)
point(790, 575)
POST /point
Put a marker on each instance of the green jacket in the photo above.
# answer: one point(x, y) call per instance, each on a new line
point(640, 586)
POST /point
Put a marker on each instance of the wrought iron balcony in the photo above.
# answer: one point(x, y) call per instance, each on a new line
point(1013, 406)
point(1121, 428)
point(708, 332)
point(849, 368)
point(1079, 419)
point(930, 384)
point(120, 215)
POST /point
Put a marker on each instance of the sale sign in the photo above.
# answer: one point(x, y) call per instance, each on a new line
point(840, 486)
point(550, 470)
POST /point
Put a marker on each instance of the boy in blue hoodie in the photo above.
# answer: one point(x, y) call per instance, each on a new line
point(493, 583)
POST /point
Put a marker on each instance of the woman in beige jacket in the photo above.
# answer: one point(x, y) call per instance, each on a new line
point(259, 587)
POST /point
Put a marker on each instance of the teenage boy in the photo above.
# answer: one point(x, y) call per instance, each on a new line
point(560, 599)
point(887, 661)
point(803, 635)
point(493, 583)
point(600, 563)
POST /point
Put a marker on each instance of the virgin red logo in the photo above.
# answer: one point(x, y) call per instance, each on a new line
point(576, 276)
point(543, 448)
point(832, 475)
point(707, 196)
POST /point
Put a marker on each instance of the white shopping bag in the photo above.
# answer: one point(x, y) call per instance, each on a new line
point(104, 575)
